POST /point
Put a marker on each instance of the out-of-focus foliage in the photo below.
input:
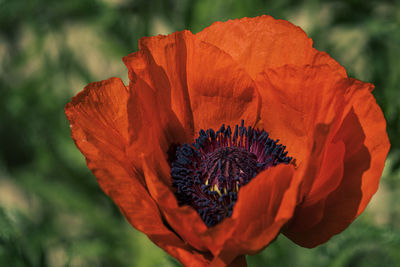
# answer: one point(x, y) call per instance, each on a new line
point(53, 213)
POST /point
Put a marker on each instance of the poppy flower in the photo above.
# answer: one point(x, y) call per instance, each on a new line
point(225, 138)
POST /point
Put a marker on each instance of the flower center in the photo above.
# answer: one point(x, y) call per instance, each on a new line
point(208, 174)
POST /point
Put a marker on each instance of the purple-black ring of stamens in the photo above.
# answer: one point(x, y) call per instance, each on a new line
point(208, 174)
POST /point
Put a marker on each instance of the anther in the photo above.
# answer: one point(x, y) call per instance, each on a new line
point(208, 174)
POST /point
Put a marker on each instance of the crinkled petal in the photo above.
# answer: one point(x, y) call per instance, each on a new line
point(297, 98)
point(99, 125)
point(363, 133)
point(330, 172)
point(205, 86)
point(185, 221)
point(376, 139)
point(264, 206)
point(263, 42)
point(153, 124)
point(329, 176)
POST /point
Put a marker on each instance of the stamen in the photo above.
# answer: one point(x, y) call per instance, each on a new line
point(209, 173)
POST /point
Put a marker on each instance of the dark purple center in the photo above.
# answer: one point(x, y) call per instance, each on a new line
point(208, 174)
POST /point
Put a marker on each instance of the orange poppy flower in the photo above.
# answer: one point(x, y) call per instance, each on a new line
point(209, 197)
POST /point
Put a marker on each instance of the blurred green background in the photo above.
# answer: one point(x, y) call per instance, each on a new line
point(53, 213)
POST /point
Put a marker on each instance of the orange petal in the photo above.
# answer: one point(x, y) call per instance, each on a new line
point(205, 86)
point(297, 98)
point(239, 261)
point(185, 221)
point(329, 176)
point(167, 75)
point(330, 173)
point(153, 124)
point(263, 42)
point(366, 146)
point(376, 139)
point(99, 125)
point(178, 249)
point(264, 206)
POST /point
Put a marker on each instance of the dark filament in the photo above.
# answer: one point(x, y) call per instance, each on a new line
point(209, 173)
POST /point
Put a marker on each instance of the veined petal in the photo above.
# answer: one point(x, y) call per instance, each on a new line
point(263, 206)
point(185, 221)
point(377, 142)
point(153, 124)
point(263, 42)
point(203, 83)
point(297, 98)
point(366, 145)
point(100, 128)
